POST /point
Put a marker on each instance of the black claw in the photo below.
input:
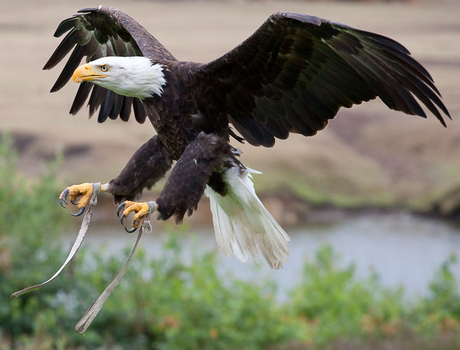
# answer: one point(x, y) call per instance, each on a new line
point(62, 200)
point(74, 202)
point(120, 208)
point(82, 209)
point(131, 230)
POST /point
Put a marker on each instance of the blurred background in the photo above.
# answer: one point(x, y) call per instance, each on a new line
point(372, 203)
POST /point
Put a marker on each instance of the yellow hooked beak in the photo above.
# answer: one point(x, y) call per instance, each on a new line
point(87, 72)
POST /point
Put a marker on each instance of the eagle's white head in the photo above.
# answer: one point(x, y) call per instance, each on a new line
point(134, 76)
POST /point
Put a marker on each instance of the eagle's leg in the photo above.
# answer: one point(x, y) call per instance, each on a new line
point(148, 165)
point(145, 168)
point(187, 181)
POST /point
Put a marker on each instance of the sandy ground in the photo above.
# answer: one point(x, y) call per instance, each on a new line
point(368, 155)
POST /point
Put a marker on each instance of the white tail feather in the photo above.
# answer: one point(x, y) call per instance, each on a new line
point(243, 225)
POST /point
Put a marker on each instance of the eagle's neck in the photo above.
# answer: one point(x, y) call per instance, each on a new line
point(137, 77)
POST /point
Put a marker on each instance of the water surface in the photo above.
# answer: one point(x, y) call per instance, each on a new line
point(401, 248)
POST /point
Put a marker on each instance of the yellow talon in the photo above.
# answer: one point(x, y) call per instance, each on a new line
point(140, 209)
point(142, 213)
point(84, 191)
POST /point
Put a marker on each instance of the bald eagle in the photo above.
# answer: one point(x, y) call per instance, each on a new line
point(291, 76)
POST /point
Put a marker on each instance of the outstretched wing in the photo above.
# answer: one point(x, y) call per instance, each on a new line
point(95, 33)
point(296, 71)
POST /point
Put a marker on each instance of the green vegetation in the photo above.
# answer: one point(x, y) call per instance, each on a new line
point(189, 306)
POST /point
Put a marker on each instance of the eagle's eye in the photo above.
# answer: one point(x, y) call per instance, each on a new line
point(104, 68)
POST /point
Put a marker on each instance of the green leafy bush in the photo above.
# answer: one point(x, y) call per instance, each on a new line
point(29, 252)
point(440, 310)
point(335, 304)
